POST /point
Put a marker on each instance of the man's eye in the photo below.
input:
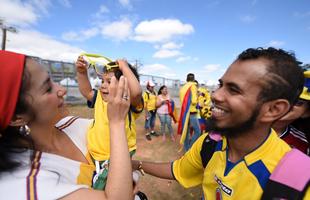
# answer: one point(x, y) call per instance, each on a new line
point(233, 90)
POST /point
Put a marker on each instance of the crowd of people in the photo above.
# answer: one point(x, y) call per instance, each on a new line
point(237, 139)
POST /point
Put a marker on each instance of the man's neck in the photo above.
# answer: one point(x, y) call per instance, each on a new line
point(280, 126)
point(238, 147)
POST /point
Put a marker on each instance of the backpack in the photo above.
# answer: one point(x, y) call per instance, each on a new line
point(289, 180)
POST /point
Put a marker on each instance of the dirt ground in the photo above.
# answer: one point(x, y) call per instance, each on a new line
point(154, 150)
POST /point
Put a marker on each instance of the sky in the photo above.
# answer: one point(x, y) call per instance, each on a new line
point(168, 38)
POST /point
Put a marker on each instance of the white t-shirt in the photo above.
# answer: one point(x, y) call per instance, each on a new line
point(49, 176)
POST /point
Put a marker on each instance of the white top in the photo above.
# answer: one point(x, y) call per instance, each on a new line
point(163, 109)
point(50, 176)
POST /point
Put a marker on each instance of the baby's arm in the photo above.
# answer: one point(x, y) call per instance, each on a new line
point(82, 78)
point(133, 83)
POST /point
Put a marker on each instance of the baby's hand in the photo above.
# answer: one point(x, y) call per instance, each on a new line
point(122, 63)
point(118, 100)
point(81, 65)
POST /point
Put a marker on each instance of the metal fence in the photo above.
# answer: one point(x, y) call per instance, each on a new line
point(65, 74)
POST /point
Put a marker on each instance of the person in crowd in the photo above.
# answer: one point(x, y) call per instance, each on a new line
point(204, 105)
point(98, 136)
point(41, 160)
point(189, 113)
point(204, 98)
point(284, 127)
point(303, 123)
point(149, 97)
point(257, 89)
point(162, 104)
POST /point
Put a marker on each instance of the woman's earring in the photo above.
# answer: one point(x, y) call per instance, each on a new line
point(24, 130)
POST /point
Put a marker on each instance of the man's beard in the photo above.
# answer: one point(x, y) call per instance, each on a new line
point(233, 131)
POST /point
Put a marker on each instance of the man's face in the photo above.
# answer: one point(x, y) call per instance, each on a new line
point(151, 88)
point(235, 104)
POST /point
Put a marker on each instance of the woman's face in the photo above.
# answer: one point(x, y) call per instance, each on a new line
point(164, 91)
point(45, 97)
point(297, 111)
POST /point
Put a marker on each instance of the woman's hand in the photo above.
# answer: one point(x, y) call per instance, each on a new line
point(118, 100)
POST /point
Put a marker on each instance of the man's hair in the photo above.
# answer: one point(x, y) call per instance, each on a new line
point(190, 77)
point(284, 78)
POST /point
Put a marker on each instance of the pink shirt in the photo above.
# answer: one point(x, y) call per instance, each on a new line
point(163, 109)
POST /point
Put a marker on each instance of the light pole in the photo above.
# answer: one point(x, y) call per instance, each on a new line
point(4, 30)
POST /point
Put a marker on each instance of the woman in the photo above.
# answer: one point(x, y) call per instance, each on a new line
point(41, 160)
point(163, 99)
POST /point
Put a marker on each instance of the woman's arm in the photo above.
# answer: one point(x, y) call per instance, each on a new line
point(159, 101)
point(119, 184)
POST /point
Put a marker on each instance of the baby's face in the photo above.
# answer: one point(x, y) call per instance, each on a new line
point(104, 88)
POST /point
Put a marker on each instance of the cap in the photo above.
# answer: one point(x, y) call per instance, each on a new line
point(306, 91)
point(150, 83)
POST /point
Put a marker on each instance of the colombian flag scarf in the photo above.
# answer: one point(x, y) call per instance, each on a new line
point(184, 115)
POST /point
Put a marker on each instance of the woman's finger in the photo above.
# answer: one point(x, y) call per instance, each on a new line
point(120, 89)
point(125, 90)
point(112, 89)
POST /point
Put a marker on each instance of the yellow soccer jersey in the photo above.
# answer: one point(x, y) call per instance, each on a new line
point(222, 179)
point(98, 136)
point(149, 101)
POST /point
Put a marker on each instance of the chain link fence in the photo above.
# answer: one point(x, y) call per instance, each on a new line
point(64, 73)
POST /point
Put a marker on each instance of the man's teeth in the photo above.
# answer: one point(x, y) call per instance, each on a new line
point(217, 111)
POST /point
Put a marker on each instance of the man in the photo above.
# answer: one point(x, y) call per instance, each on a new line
point(149, 97)
point(189, 113)
point(256, 90)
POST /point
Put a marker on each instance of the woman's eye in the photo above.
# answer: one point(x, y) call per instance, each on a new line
point(49, 89)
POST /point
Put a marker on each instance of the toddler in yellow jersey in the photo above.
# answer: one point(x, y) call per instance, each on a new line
point(98, 135)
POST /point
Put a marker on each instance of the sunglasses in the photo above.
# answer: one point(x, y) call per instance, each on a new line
point(300, 102)
point(99, 63)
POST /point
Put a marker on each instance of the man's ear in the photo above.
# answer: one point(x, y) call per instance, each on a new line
point(18, 120)
point(274, 110)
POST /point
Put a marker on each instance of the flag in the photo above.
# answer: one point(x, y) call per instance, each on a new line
point(172, 111)
point(184, 115)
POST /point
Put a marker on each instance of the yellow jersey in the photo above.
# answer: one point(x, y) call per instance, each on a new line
point(222, 179)
point(98, 135)
point(149, 101)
